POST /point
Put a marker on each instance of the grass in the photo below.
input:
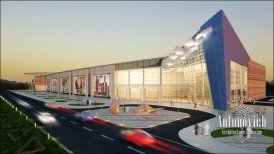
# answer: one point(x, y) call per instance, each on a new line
point(218, 132)
point(265, 132)
point(61, 100)
point(97, 103)
point(78, 104)
point(16, 123)
point(49, 97)
point(85, 104)
point(270, 149)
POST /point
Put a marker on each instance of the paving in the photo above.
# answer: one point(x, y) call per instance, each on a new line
point(213, 145)
point(131, 120)
point(256, 143)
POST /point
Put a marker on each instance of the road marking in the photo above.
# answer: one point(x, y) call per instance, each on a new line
point(180, 143)
point(63, 118)
point(73, 122)
point(107, 137)
point(88, 129)
point(135, 150)
point(54, 114)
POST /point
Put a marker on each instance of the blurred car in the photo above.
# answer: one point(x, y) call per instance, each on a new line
point(138, 137)
point(46, 118)
point(83, 116)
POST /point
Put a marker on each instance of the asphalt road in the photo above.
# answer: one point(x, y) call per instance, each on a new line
point(96, 138)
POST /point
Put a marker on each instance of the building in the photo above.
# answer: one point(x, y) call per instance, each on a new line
point(39, 81)
point(212, 68)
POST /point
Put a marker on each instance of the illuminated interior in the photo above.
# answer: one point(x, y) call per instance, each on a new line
point(238, 83)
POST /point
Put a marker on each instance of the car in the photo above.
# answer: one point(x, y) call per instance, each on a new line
point(83, 116)
point(138, 136)
point(46, 118)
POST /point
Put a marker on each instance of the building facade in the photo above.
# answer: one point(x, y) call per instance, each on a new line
point(212, 68)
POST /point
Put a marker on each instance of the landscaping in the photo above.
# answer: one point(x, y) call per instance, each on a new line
point(218, 132)
point(19, 135)
point(78, 104)
point(97, 103)
point(61, 100)
point(85, 104)
point(266, 132)
point(270, 149)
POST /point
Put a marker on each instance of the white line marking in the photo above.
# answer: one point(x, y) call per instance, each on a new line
point(73, 122)
point(135, 150)
point(63, 118)
point(179, 143)
point(107, 137)
point(88, 129)
point(54, 114)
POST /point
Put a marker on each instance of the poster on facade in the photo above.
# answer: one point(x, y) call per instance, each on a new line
point(101, 85)
point(64, 85)
point(48, 85)
point(79, 85)
point(54, 85)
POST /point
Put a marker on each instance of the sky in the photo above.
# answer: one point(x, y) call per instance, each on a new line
point(48, 36)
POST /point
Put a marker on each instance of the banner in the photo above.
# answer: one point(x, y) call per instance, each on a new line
point(54, 85)
point(101, 85)
point(79, 85)
point(64, 85)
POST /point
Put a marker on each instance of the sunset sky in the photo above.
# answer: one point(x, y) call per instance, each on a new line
point(47, 36)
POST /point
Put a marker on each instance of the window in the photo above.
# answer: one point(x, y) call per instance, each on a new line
point(122, 77)
point(135, 94)
point(238, 83)
point(122, 93)
point(136, 76)
point(152, 75)
point(151, 95)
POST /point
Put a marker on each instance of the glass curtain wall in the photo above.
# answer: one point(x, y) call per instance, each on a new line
point(152, 81)
point(186, 84)
point(136, 84)
point(122, 81)
point(139, 84)
point(238, 83)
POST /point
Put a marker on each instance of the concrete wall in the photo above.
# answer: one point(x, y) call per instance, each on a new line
point(108, 69)
point(40, 83)
point(88, 73)
point(65, 75)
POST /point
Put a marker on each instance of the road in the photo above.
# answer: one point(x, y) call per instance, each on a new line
point(96, 138)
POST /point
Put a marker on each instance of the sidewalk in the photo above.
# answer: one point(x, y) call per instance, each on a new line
point(223, 145)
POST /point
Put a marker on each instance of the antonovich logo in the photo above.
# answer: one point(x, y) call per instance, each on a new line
point(244, 118)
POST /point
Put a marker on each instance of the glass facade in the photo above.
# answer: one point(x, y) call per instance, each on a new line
point(186, 84)
point(139, 84)
point(151, 95)
point(238, 83)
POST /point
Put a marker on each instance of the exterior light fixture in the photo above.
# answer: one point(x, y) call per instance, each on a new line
point(203, 33)
point(183, 58)
point(189, 43)
point(172, 56)
point(178, 50)
point(168, 62)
